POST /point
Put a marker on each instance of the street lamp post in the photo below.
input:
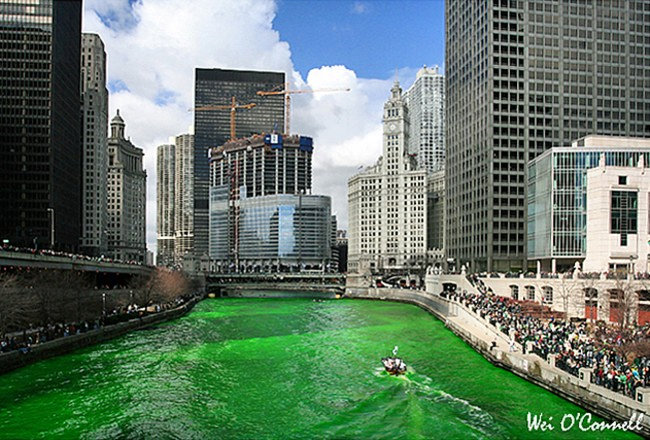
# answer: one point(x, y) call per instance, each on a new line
point(51, 211)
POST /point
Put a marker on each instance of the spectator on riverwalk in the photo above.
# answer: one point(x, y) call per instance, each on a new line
point(575, 344)
point(25, 339)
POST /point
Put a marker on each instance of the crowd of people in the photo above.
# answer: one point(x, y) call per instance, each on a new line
point(575, 344)
point(26, 339)
point(53, 253)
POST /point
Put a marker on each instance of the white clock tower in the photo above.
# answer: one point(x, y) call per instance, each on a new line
point(387, 203)
point(395, 132)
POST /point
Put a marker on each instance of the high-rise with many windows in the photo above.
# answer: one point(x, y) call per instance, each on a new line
point(183, 196)
point(262, 214)
point(165, 206)
point(426, 103)
point(127, 196)
point(175, 200)
point(40, 123)
point(217, 87)
point(387, 203)
point(522, 77)
point(94, 98)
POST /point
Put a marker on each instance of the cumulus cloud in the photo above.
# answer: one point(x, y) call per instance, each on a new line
point(153, 48)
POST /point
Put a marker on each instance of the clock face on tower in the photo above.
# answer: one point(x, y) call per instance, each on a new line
point(392, 127)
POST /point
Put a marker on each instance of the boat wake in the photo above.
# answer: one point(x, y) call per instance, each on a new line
point(410, 404)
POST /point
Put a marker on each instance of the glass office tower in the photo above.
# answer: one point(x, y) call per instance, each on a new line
point(40, 123)
point(212, 128)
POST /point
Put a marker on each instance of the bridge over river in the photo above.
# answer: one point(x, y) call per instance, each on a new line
point(243, 283)
point(107, 273)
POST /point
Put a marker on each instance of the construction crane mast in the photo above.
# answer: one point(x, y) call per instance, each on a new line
point(233, 107)
point(287, 100)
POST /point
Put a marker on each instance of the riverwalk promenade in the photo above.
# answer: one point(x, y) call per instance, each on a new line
point(18, 358)
point(507, 354)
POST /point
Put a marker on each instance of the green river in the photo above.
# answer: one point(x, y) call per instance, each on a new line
point(278, 368)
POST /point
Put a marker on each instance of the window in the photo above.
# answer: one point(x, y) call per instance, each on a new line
point(623, 212)
point(622, 180)
point(548, 294)
point(530, 293)
point(623, 239)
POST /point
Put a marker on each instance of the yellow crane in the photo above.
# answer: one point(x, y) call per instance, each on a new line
point(233, 109)
point(287, 100)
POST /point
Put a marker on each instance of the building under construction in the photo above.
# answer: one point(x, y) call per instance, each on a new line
point(262, 214)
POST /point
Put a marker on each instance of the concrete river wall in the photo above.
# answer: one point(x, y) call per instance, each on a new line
point(479, 334)
point(15, 359)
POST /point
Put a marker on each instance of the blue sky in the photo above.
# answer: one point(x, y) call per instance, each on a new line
point(370, 37)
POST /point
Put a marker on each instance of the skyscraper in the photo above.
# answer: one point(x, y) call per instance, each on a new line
point(387, 204)
point(212, 127)
point(165, 206)
point(426, 103)
point(175, 200)
point(183, 196)
point(262, 215)
point(40, 123)
point(127, 196)
point(94, 97)
point(522, 77)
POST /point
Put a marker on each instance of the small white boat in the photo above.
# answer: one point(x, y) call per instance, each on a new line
point(394, 365)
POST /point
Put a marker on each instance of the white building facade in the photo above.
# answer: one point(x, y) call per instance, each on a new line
point(94, 97)
point(569, 202)
point(426, 104)
point(387, 203)
point(617, 218)
point(183, 196)
point(165, 206)
point(127, 185)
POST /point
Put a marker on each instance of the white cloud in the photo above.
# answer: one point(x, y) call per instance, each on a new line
point(153, 47)
point(359, 7)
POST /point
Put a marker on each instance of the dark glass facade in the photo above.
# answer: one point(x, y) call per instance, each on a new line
point(212, 128)
point(40, 123)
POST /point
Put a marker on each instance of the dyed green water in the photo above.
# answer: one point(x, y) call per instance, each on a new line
point(271, 368)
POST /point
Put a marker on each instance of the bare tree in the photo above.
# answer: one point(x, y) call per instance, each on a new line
point(566, 292)
point(623, 297)
point(16, 307)
point(162, 285)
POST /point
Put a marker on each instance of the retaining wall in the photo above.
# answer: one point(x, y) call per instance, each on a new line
point(15, 359)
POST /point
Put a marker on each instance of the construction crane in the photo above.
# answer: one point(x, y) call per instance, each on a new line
point(287, 100)
point(233, 109)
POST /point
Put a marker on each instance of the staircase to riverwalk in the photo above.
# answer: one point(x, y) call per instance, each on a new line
point(538, 310)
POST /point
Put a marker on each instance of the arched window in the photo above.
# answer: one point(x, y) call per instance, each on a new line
point(514, 291)
point(530, 293)
point(547, 293)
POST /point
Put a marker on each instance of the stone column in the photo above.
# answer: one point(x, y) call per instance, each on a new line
point(585, 376)
point(551, 359)
point(643, 398)
point(604, 298)
point(529, 347)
